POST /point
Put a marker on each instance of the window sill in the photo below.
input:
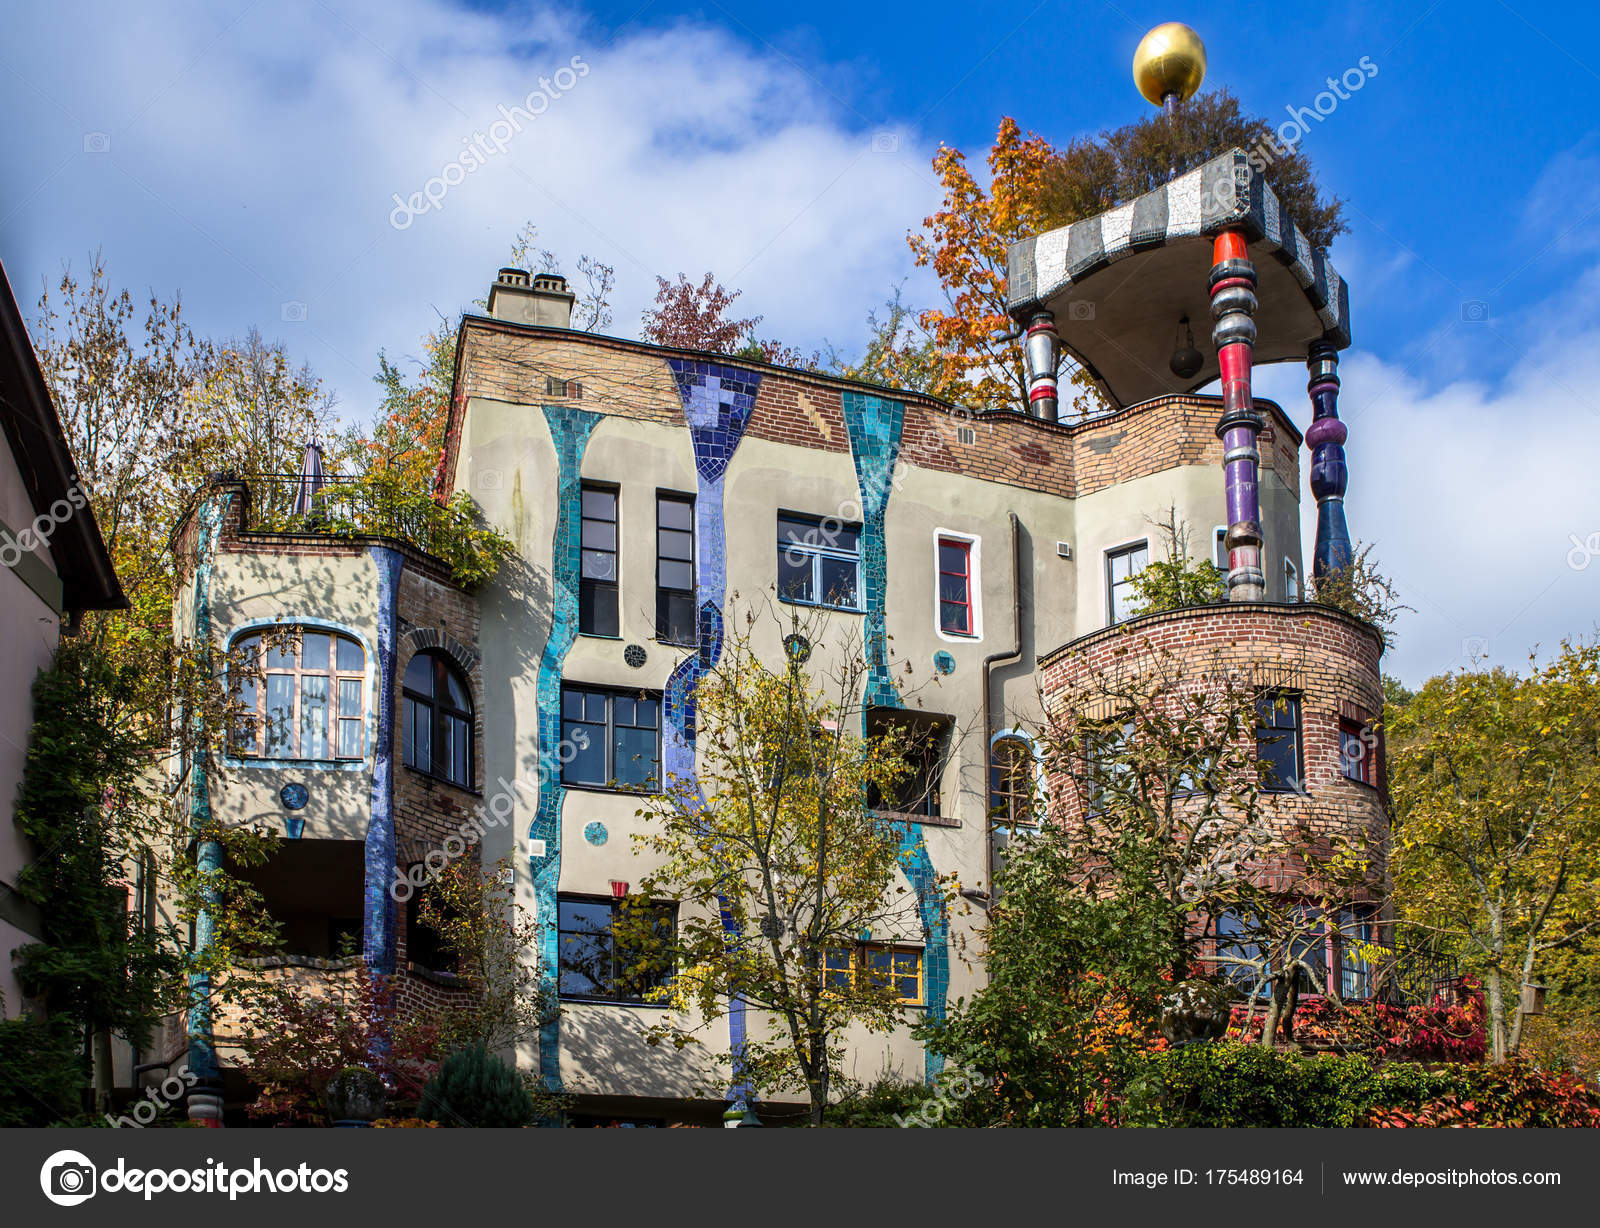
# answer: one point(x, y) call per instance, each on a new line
point(926, 820)
point(432, 779)
point(595, 635)
point(297, 765)
point(449, 980)
point(823, 605)
point(615, 791)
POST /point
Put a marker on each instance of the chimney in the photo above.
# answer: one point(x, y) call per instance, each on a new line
point(537, 298)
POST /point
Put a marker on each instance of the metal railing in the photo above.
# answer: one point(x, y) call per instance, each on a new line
point(347, 506)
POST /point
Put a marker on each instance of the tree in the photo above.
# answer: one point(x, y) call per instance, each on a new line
point(694, 317)
point(1364, 592)
point(899, 353)
point(1177, 581)
point(783, 844)
point(1495, 782)
point(1034, 187)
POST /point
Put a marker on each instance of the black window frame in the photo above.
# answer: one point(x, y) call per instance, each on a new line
point(920, 795)
point(654, 783)
point(1113, 585)
point(615, 995)
point(442, 710)
point(599, 599)
point(1286, 710)
point(817, 551)
point(675, 605)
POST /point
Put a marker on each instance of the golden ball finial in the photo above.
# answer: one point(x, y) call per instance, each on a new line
point(1171, 59)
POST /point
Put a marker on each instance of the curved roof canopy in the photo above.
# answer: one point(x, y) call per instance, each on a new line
point(1119, 283)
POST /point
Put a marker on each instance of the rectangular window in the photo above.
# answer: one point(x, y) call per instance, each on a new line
point(675, 604)
point(1291, 582)
point(1357, 944)
point(597, 587)
point(308, 700)
point(878, 966)
point(1358, 752)
point(611, 739)
point(1108, 764)
point(955, 587)
point(1278, 741)
point(819, 562)
point(1219, 548)
point(596, 966)
point(925, 740)
point(1121, 566)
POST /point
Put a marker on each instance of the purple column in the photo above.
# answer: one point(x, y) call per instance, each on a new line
point(1325, 437)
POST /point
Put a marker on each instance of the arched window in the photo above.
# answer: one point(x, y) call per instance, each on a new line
point(1013, 785)
point(437, 730)
point(309, 701)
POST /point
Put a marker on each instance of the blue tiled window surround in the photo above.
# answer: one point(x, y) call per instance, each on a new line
point(370, 715)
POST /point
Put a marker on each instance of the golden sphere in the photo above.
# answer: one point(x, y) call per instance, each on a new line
point(1171, 59)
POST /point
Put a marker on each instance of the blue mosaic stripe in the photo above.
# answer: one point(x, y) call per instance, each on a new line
point(874, 424)
point(717, 403)
point(570, 429)
point(378, 930)
point(203, 1062)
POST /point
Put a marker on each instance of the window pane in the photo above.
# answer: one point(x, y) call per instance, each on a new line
point(599, 535)
point(585, 949)
point(572, 705)
point(675, 620)
point(842, 537)
point(594, 706)
point(622, 710)
point(280, 714)
point(597, 608)
point(793, 530)
point(674, 545)
point(350, 697)
point(281, 655)
point(314, 716)
point(953, 588)
point(795, 575)
point(601, 504)
point(675, 575)
point(457, 732)
point(584, 749)
point(248, 700)
point(953, 557)
point(352, 659)
point(315, 650)
point(457, 691)
point(675, 514)
point(417, 736)
point(599, 565)
point(419, 675)
point(634, 756)
point(644, 714)
point(350, 739)
point(839, 582)
point(953, 618)
point(248, 648)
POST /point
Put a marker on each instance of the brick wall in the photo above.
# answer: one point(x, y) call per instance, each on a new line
point(800, 408)
point(1329, 658)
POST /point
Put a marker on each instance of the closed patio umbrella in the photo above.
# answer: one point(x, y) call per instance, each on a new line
point(308, 491)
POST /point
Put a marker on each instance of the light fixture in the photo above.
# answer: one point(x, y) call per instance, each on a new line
point(1186, 361)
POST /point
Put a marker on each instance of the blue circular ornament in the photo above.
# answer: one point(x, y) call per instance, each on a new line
point(595, 833)
point(294, 796)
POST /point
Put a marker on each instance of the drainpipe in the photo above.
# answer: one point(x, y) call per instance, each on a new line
point(989, 662)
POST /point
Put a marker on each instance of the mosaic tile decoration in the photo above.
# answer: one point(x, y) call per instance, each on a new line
point(570, 428)
point(944, 662)
point(874, 424)
point(596, 834)
point(717, 403)
point(208, 855)
point(378, 929)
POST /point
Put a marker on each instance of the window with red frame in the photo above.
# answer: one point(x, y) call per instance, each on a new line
point(955, 587)
point(1358, 752)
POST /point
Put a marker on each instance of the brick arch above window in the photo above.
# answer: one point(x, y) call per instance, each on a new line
point(420, 639)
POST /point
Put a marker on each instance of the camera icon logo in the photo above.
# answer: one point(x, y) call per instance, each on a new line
point(1475, 648)
point(1083, 309)
point(96, 143)
point(885, 142)
point(292, 312)
point(1475, 311)
point(490, 479)
point(68, 1178)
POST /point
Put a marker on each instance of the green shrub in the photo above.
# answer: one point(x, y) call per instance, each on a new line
point(45, 1073)
point(475, 1088)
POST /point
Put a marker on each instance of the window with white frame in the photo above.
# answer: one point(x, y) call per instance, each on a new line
point(1219, 548)
point(1121, 566)
point(308, 700)
point(1291, 581)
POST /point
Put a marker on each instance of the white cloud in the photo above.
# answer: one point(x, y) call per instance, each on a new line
point(253, 159)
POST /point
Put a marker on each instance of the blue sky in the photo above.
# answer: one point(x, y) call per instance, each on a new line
point(250, 155)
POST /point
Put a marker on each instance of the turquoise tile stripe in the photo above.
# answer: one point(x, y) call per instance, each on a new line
point(570, 429)
point(874, 424)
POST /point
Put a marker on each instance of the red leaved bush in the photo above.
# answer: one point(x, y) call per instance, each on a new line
point(1510, 1095)
point(1442, 1031)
